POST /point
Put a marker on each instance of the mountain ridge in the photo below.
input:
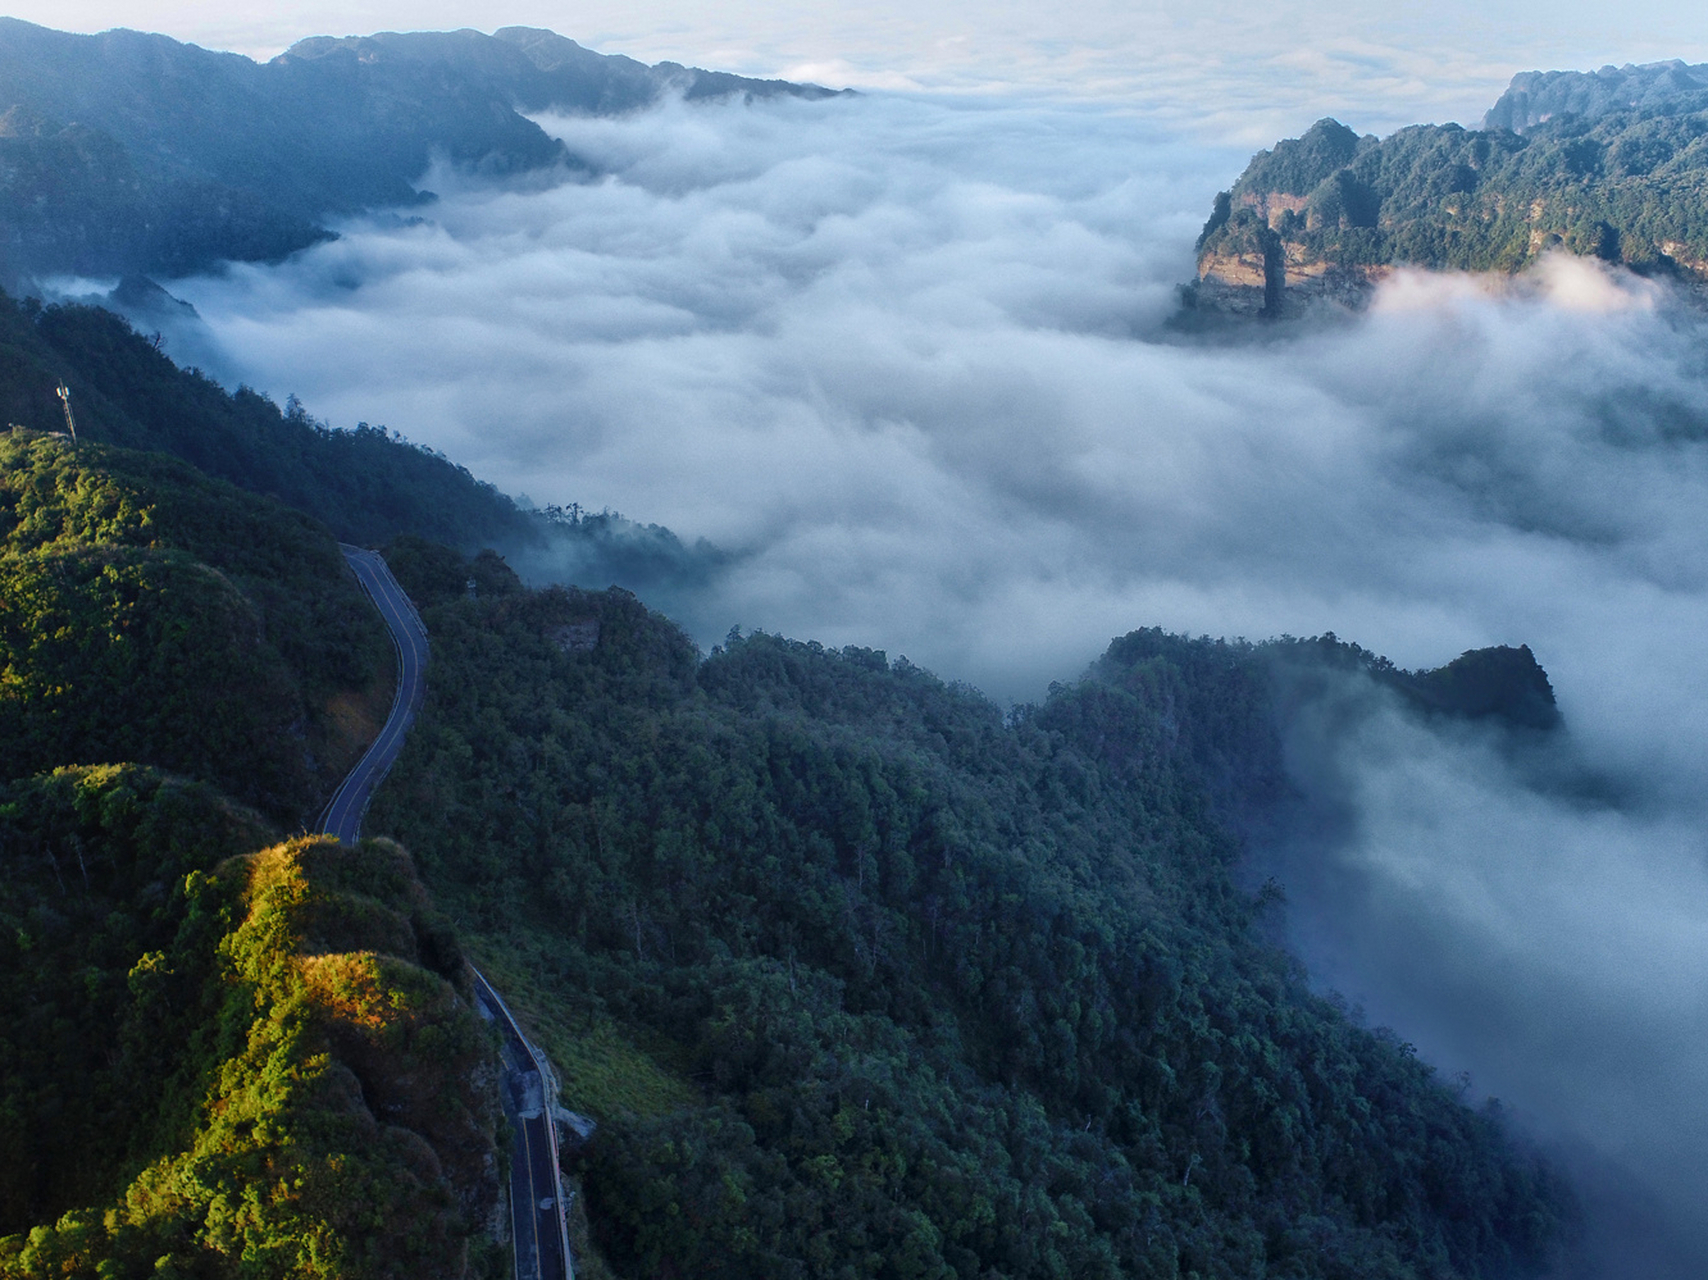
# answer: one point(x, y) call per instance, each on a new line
point(1534, 97)
point(128, 152)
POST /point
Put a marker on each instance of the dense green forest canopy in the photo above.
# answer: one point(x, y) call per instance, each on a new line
point(150, 614)
point(221, 1056)
point(863, 977)
point(1621, 178)
point(221, 1053)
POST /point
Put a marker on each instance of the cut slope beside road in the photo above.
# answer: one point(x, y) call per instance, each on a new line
point(538, 1221)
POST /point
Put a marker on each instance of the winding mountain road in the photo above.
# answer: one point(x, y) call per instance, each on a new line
point(343, 815)
point(539, 1225)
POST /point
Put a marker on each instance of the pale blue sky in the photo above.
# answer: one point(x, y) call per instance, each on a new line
point(1225, 68)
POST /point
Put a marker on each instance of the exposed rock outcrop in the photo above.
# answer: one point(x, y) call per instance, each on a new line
point(1604, 165)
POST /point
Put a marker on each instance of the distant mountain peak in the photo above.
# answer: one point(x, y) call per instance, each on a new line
point(183, 158)
point(549, 51)
point(1534, 97)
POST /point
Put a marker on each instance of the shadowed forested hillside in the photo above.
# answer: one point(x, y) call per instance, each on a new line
point(149, 614)
point(366, 484)
point(127, 152)
point(859, 974)
point(863, 977)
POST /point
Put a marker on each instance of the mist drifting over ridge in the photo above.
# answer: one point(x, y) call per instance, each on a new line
point(906, 363)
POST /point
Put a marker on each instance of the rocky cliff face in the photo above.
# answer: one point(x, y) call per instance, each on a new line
point(1262, 251)
point(1606, 165)
point(1252, 271)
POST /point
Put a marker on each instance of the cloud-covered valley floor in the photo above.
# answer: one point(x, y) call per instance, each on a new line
point(906, 361)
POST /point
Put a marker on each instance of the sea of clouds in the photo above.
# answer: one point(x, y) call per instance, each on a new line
point(908, 363)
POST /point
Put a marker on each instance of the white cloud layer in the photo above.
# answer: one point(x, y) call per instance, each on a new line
point(905, 358)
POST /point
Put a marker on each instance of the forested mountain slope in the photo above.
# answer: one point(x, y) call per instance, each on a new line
point(224, 1056)
point(128, 152)
point(366, 484)
point(149, 614)
point(859, 975)
point(1612, 165)
point(863, 978)
point(222, 1052)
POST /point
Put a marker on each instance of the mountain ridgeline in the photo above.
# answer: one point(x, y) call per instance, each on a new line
point(366, 484)
point(1611, 164)
point(130, 153)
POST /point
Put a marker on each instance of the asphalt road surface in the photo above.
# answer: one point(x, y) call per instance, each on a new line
point(537, 1219)
point(343, 816)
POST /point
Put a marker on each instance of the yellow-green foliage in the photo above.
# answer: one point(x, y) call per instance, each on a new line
point(341, 1124)
point(603, 1072)
point(603, 1069)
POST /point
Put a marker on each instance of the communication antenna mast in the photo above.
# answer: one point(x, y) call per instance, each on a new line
point(70, 422)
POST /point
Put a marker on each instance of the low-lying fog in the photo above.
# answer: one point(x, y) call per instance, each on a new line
point(905, 361)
